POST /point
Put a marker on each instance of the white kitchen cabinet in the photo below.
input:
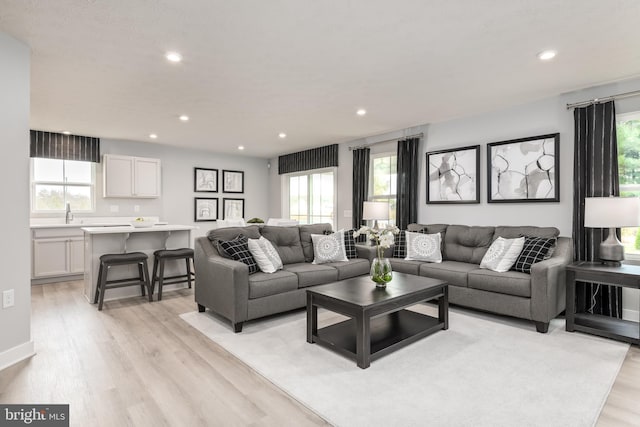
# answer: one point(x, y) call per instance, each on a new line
point(57, 252)
point(131, 177)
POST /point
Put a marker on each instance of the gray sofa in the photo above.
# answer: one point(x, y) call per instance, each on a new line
point(539, 296)
point(226, 287)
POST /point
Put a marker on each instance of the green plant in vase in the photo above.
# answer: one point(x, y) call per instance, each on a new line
point(381, 272)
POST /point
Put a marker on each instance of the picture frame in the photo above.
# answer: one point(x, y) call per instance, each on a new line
point(453, 176)
point(205, 180)
point(232, 181)
point(524, 170)
point(205, 209)
point(232, 208)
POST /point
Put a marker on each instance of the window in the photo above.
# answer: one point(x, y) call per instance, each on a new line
point(628, 134)
point(311, 197)
point(383, 183)
point(54, 183)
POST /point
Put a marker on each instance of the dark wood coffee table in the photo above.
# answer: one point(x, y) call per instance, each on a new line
point(379, 323)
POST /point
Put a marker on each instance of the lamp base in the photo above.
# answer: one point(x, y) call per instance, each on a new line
point(611, 250)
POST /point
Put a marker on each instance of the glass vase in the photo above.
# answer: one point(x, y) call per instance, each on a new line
point(381, 272)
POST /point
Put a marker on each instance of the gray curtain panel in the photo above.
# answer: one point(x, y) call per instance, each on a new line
point(595, 173)
point(360, 186)
point(407, 190)
point(52, 145)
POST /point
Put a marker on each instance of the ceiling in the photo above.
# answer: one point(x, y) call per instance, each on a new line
point(255, 68)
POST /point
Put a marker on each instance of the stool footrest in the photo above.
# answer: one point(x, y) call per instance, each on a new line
point(123, 284)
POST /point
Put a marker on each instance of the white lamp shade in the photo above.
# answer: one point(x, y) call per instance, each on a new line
point(375, 210)
point(607, 212)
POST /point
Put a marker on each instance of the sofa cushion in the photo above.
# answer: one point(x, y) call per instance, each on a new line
point(467, 244)
point(509, 283)
point(286, 240)
point(312, 274)
point(352, 268)
point(403, 266)
point(264, 284)
point(328, 248)
point(452, 272)
point(510, 232)
point(306, 231)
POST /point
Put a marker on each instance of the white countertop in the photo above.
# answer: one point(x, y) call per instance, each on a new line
point(100, 224)
point(131, 229)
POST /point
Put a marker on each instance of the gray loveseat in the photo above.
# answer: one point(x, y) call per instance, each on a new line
point(539, 296)
point(225, 286)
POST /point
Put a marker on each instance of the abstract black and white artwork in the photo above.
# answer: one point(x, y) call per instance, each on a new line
point(205, 180)
point(453, 175)
point(205, 209)
point(524, 170)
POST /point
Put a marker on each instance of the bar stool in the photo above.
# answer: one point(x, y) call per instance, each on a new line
point(110, 260)
point(159, 259)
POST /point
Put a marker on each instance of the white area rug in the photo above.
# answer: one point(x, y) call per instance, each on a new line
point(484, 371)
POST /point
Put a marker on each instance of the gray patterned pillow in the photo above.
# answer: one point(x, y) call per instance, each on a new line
point(328, 248)
point(423, 247)
point(502, 254)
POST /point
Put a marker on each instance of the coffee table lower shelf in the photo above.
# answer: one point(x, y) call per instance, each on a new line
point(388, 333)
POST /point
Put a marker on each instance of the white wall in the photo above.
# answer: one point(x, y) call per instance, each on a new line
point(15, 322)
point(177, 202)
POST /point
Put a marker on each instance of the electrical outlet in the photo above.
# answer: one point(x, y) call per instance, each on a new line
point(8, 298)
point(114, 208)
point(136, 208)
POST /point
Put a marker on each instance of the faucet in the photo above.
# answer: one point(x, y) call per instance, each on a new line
point(68, 216)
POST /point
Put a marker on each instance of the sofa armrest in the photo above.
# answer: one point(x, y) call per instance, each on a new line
point(222, 284)
point(370, 252)
point(548, 282)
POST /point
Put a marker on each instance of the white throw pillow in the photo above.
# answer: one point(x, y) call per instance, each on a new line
point(328, 248)
point(265, 255)
point(502, 254)
point(423, 247)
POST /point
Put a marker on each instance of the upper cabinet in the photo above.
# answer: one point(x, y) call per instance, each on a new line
point(126, 176)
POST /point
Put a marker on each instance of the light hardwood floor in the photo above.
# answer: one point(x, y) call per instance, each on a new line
point(137, 363)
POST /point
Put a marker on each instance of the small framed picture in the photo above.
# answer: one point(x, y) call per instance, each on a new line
point(453, 175)
point(206, 209)
point(524, 170)
point(205, 180)
point(232, 208)
point(233, 181)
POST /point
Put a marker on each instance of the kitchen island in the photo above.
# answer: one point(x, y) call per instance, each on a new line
point(120, 239)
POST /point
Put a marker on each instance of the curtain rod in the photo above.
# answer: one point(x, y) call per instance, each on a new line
point(605, 99)
point(356, 147)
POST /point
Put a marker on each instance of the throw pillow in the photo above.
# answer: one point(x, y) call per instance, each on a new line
point(221, 251)
point(328, 248)
point(238, 250)
point(535, 250)
point(349, 243)
point(265, 255)
point(502, 254)
point(400, 244)
point(423, 247)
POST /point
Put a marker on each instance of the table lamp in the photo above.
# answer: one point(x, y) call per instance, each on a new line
point(611, 213)
point(375, 211)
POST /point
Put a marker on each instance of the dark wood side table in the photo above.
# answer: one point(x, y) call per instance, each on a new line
point(627, 276)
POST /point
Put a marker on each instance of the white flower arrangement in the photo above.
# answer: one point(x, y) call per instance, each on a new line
point(383, 237)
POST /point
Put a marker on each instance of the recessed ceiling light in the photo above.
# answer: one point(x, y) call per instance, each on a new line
point(66, 132)
point(547, 55)
point(240, 147)
point(184, 118)
point(282, 135)
point(173, 57)
point(361, 112)
point(153, 136)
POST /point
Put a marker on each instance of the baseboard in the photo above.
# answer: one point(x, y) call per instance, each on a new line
point(17, 354)
point(633, 315)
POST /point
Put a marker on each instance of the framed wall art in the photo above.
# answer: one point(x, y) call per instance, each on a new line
point(524, 170)
point(232, 208)
point(453, 176)
point(205, 209)
point(205, 180)
point(233, 181)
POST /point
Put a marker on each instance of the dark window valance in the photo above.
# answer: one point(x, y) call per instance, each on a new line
point(315, 158)
point(51, 145)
